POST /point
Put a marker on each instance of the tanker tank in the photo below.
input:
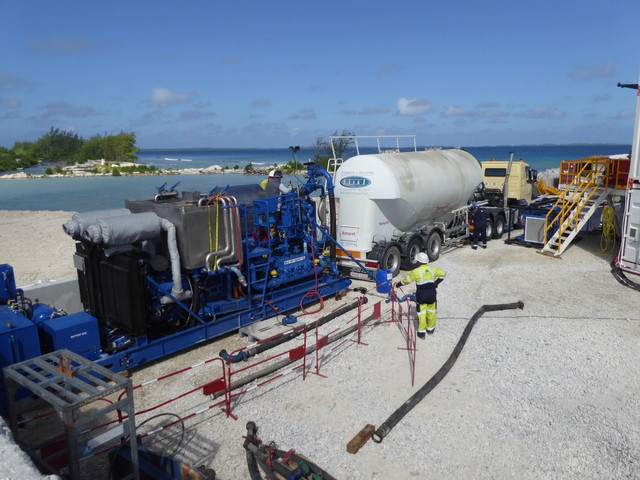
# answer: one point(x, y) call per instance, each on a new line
point(383, 195)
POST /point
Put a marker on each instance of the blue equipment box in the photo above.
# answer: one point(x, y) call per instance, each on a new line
point(77, 332)
point(18, 342)
point(18, 337)
point(7, 284)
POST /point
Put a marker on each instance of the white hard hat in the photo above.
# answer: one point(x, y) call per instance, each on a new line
point(422, 257)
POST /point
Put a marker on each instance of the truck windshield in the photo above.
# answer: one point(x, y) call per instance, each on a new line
point(495, 172)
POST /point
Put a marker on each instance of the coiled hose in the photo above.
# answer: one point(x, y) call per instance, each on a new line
point(608, 238)
point(396, 416)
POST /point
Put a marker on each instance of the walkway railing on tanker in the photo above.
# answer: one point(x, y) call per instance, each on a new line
point(339, 144)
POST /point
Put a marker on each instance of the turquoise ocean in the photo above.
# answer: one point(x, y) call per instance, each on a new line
point(97, 193)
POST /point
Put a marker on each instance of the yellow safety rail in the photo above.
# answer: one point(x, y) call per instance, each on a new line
point(545, 189)
point(593, 174)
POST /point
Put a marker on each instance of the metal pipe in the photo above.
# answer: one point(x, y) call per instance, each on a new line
point(235, 252)
point(226, 229)
point(286, 361)
point(252, 351)
point(396, 416)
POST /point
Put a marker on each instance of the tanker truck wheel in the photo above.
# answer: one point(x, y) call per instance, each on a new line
point(489, 228)
point(434, 243)
point(498, 227)
point(412, 248)
point(391, 259)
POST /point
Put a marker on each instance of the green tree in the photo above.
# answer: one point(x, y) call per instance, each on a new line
point(58, 145)
point(322, 150)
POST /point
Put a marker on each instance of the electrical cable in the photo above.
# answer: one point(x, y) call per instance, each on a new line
point(124, 441)
point(608, 238)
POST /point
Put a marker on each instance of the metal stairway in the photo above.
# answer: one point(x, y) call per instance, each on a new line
point(575, 206)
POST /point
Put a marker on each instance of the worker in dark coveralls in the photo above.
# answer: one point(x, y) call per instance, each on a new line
point(427, 280)
point(273, 184)
point(479, 222)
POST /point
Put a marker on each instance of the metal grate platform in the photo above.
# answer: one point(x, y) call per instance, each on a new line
point(69, 382)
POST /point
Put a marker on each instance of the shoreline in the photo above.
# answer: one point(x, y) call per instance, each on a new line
point(213, 170)
point(88, 168)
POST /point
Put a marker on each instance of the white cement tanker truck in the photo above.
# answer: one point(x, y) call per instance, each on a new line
point(395, 205)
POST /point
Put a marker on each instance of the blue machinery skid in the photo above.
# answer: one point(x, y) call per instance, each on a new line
point(165, 274)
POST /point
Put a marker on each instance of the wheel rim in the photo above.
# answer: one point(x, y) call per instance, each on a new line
point(391, 260)
point(433, 248)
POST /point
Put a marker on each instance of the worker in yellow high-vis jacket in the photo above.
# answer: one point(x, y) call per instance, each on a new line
point(427, 280)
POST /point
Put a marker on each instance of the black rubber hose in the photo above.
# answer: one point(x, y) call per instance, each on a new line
point(619, 275)
point(250, 352)
point(396, 416)
point(252, 464)
point(314, 467)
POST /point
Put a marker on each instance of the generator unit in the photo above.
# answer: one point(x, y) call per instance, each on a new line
point(164, 274)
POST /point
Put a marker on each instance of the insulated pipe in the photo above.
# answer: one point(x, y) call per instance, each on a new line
point(332, 207)
point(250, 352)
point(172, 244)
point(332, 219)
point(80, 221)
point(396, 416)
point(124, 229)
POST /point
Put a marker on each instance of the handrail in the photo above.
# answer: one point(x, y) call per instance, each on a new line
point(587, 180)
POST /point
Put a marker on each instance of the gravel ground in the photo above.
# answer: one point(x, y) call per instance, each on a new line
point(550, 391)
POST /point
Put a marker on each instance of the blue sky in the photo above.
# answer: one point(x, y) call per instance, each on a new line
point(272, 74)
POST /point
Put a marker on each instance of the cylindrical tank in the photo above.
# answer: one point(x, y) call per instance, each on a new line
point(409, 188)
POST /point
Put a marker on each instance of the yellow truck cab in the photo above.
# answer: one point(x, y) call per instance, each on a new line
point(521, 180)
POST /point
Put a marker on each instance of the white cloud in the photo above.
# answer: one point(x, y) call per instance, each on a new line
point(541, 111)
point(11, 103)
point(454, 111)
point(589, 73)
point(625, 114)
point(304, 114)
point(162, 97)
point(374, 110)
point(59, 45)
point(261, 102)
point(417, 106)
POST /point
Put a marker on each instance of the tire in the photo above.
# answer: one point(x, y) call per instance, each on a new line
point(434, 244)
point(412, 248)
point(489, 228)
point(391, 259)
point(498, 227)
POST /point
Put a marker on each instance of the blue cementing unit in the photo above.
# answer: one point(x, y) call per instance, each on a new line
point(125, 324)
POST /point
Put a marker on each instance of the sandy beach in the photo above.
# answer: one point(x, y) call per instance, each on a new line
point(550, 391)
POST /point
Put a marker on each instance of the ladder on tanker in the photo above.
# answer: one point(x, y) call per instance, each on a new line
point(589, 189)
